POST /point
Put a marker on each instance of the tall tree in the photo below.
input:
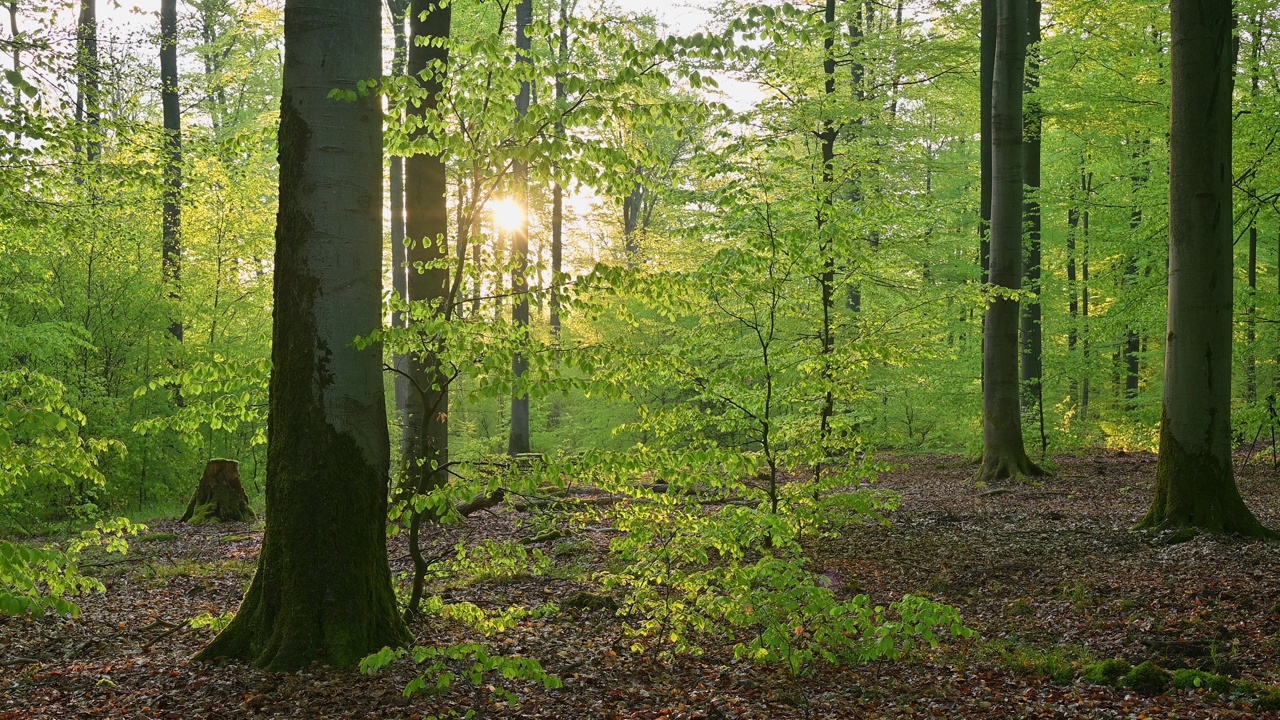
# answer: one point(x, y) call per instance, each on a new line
point(171, 245)
point(1032, 336)
point(827, 277)
point(426, 226)
point(1195, 481)
point(518, 442)
point(1003, 454)
point(557, 192)
point(398, 9)
point(322, 591)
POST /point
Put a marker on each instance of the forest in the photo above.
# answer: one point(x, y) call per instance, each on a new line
point(636, 359)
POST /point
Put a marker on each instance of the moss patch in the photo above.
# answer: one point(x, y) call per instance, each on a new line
point(1147, 678)
point(1108, 672)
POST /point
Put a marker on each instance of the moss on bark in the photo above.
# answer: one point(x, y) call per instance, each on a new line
point(1198, 490)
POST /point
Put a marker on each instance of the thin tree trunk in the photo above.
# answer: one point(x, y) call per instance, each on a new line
point(17, 52)
point(557, 192)
point(1086, 183)
point(518, 441)
point(825, 245)
point(399, 277)
point(171, 261)
point(1195, 483)
point(322, 591)
point(427, 228)
point(88, 109)
point(1003, 454)
point(1032, 335)
point(857, 78)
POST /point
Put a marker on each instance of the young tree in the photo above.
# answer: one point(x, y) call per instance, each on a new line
point(1003, 454)
point(1195, 483)
point(323, 587)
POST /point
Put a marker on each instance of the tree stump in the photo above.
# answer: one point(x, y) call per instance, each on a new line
point(220, 496)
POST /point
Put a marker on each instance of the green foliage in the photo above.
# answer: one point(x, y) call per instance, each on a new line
point(214, 623)
point(39, 580)
point(469, 662)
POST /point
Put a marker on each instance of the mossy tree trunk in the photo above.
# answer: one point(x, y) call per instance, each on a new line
point(220, 496)
point(323, 587)
point(1195, 484)
point(1003, 454)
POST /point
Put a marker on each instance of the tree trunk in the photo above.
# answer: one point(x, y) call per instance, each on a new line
point(857, 79)
point(1032, 335)
point(986, 76)
point(1003, 454)
point(89, 70)
point(399, 278)
point(1195, 484)
point(557, 192)
point(323, 587)
point(171, 254)
point(219, 497)
point(427, 225)
point(826, 281)
point(518, 441)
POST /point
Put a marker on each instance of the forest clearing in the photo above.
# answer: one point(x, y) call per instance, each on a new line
point(620, 359)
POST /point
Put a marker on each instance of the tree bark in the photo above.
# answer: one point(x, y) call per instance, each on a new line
point(1195, 483)
point(395, 185)
point(1032, 336)
point(171, 245)
point(323, 587)
point(986, 75)
point(518, 441)
point(557, 192)
point(1003, 454)
point(427, 225)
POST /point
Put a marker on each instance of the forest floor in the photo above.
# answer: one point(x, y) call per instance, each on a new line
point(1049, 575)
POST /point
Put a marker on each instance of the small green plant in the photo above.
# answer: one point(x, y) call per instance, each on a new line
point(1187, 679)
point(211, 622)
point(493, 561)
point(468, 661)
point(1268, 701)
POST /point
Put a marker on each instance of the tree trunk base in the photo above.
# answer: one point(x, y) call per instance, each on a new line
point(1196, 491)
point(1009, 465)
point(220, 496)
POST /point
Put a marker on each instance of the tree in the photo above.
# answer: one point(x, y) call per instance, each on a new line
point(1195, 482)
point(1003, 454)
point(518, 441)
point(322, 591)
point(172, 212)
point(1032, 336)
point(426, 226)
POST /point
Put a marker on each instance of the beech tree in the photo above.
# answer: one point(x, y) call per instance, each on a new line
point(1195, 482)
point(1003, 454)
point(172, 212)
point(323, 586)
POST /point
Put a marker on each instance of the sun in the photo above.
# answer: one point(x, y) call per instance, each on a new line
point(507, 214)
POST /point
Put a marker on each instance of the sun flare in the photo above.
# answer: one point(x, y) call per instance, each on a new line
point(507, 214)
